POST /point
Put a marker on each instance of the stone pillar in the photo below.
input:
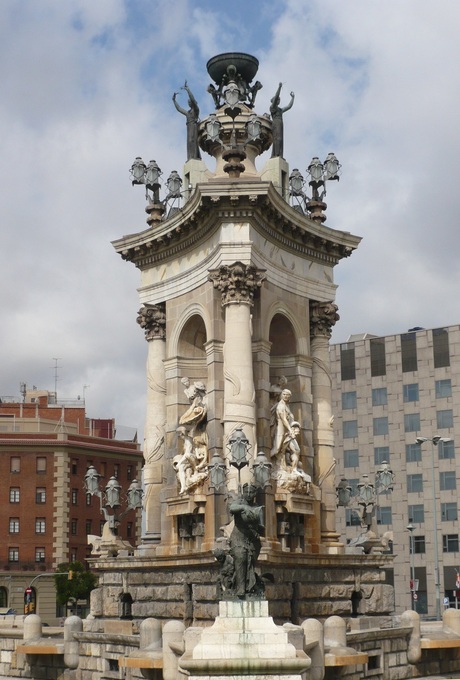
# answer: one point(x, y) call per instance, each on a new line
point(152, 318)
point(238, 283)
point(323, 316)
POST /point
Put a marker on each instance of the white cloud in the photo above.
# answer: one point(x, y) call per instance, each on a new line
point(87, 86)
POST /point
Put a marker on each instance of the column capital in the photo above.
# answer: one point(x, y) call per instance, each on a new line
point(152, 318)
point(237, 282)
point(323, 316)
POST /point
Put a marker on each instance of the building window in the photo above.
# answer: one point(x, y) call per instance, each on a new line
point(39, 554)
point(41, 465)
point(411, 422)
point(88, 499)
point(447, 480)
point(350, 429)
point(348, 400)
point(352, 519)
point(384, 514)
point(74, 496)
point(410, 392)
point(380, 425)
point(450, 543)
point(441, 347)
point(449, 512)
point(416, 513)
point(15, 464)
point(73, 527)
point(73, 555)
point(116, 470)
point(13, 554)
point(15, 494)
point(445, 419)
point(443, 388)
point(88, 526)
point(103, 469)
point(129, 530)
point(40, 525)
point(129, 473)
point(40, 494)
point(379, 396)
point(378, 363)
point(446, 450)
point(415, 483)
point(419, 545)
point(413, 453)
point(347, 362)
point(14, 525)
point(408, 352)
point(351, 458)
point(381, 454)
point(74, 466)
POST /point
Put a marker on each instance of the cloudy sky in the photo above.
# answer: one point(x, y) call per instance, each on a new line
point(87, 86)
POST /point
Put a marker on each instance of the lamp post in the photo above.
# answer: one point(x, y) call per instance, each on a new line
point(434, 442)
point(410, 528)
point(112, 497)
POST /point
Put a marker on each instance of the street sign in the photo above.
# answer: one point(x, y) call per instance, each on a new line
point(415, 596)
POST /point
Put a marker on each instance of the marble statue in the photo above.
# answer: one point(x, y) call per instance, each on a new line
point(276, 112)
point(288, 469)
point(192, 117)
point(191, 465)
point(196, 412)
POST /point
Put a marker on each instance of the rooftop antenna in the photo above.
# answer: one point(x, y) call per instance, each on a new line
point(23, 390)
point(56, 371)
point(85, 387)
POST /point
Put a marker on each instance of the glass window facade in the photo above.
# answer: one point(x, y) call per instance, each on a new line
point(409, 352)
point(378, 361)
point(410, 392)
point(379, 396)
point(415, 483)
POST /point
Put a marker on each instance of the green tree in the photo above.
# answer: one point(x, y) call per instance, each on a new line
point(73, 582)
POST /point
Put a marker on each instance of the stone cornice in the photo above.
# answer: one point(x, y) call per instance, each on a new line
point(215, 202)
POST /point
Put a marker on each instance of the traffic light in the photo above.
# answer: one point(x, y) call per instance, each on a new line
point(29, 602)
point(70, 575)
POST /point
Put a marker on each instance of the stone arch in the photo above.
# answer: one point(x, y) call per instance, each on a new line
point(292, 324)
point(190, 333)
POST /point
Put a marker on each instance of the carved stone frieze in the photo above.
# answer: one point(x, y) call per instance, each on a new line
point(323, 316)
point(152, 318)
point(237, 282)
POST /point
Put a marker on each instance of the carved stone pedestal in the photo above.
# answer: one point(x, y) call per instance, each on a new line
point(244, 640)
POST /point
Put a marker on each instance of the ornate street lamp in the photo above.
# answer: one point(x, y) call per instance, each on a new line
point(147, 175)
point(344, 493)
point(112, 495)
point(217, 472)
point(261, 470)
point(238, 446)
point(320, 173)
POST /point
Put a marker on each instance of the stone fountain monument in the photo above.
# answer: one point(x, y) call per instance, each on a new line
point(237, 305)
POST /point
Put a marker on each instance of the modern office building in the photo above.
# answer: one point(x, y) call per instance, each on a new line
point(46, 447)
point(387, 392)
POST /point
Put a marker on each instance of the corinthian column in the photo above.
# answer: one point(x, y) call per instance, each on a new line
point(152, 318)
point(238, 283)
point(323, 316)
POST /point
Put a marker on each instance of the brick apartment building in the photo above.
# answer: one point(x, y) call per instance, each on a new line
point(46, 447)
point(387, 392)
